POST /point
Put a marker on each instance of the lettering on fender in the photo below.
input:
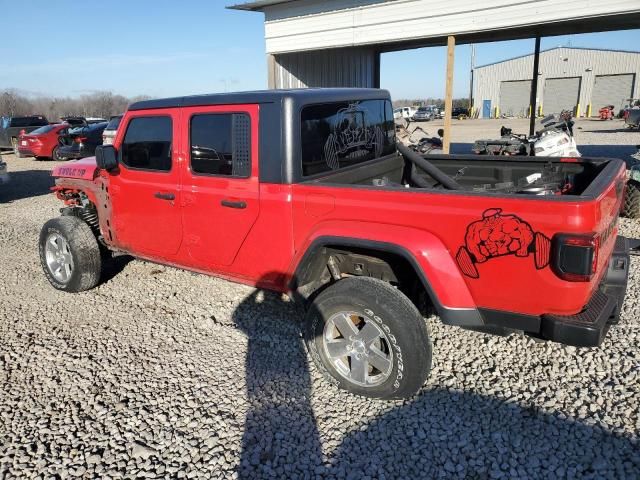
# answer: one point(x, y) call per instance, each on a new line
point(72, 172)
point(497, 235)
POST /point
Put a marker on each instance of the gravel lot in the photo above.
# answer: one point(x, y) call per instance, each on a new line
point(161, 373)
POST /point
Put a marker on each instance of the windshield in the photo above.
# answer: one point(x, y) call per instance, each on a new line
point(42, 130)
point(114, 123)
point(423, 109)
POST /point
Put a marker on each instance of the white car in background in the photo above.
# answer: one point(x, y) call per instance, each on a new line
point(403, 112)
point(109, 133)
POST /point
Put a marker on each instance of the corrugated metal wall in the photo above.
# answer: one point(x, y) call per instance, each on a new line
point(560, 62)
point(321, 24)
point(344, 67)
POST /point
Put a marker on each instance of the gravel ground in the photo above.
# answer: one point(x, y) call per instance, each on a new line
point(161, 373)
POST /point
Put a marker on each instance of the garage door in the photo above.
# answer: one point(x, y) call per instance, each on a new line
point(514, 98)
point(560, 94)
point(611, 90)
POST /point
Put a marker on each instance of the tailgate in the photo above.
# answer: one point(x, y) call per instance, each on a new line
point(609, 204)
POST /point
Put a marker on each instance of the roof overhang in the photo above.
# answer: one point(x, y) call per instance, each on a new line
point(258, 5)
point(387, 25)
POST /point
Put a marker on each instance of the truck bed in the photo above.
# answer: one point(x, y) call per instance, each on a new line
point(485, 175)
point(373, 193)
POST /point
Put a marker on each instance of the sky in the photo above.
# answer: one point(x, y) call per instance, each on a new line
point(164, 48)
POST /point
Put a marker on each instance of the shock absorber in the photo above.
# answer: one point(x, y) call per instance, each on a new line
point(89, 214)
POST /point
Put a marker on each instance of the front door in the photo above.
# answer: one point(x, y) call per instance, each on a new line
point(220, 185)
point(486, 109)
point(145, 192)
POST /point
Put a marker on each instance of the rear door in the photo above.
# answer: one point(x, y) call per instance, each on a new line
point(220, 182)
point(145, 191)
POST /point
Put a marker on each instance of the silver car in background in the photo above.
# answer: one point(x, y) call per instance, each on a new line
point(109, 133)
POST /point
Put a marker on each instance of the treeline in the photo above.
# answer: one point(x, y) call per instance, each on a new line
point(97, 104)
point(439, 102)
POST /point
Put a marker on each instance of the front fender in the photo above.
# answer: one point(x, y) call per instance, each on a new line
point(429, 256)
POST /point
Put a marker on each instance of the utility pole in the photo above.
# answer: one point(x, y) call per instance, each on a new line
point(534, 87)
point(473, 64)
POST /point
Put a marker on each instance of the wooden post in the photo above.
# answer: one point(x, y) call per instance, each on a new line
point(271, 71)
point(448, 96)
point(534, 87)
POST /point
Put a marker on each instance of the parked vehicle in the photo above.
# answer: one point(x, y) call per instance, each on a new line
point(632, 117)
point(80, 142)
point(425, 114)
point(11, 127)
point(631, 206)
point(417, 139)
point(42, 142)
point(607, 112)
point(460, 113)
point(249, 186)
point(4, 176)
point(109, 133)
point(554, 140)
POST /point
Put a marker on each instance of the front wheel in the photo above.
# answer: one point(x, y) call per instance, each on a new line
point(369, 339)
point(70, 254)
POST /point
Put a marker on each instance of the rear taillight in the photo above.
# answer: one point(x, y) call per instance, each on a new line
point(80, 139)
point(575, 256)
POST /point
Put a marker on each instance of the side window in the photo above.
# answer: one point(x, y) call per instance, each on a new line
point(220, 144)
point(147, 144)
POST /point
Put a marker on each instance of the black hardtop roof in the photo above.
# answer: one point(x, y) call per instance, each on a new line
point(298, 95)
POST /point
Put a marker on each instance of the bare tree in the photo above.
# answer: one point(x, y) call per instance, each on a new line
point(101, 104)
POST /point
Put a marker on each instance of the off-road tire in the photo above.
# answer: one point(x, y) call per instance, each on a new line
point(394, 313)
point(84, 249)
point(631, 207)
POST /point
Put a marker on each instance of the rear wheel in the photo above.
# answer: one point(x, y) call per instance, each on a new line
point(369, 339)
point(70, 254)
point(631, 207)
point(55, 154)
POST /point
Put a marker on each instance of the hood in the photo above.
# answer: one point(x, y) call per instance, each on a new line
point(85, 169)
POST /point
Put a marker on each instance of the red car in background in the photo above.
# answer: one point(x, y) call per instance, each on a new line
point(42, 142)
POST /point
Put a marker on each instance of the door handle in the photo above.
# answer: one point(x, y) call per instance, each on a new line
point(234, 204)
point(164, 196)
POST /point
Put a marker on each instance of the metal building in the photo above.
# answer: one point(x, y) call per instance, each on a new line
point(321, 43)
point(338, 42)
point(579, 79)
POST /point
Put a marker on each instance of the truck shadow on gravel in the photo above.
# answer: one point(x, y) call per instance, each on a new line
point(437, 434)
point(26, 184)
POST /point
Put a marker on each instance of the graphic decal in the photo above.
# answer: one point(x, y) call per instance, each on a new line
point(351, 137)
point(497, 235)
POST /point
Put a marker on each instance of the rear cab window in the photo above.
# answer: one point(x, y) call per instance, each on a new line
point(340, 134)
point(147, 144)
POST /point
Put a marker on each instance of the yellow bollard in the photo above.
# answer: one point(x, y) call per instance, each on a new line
point(589, 110)
point(577, 110)
point(497, 114)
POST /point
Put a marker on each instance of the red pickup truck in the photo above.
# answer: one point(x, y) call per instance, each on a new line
point(307, 192)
